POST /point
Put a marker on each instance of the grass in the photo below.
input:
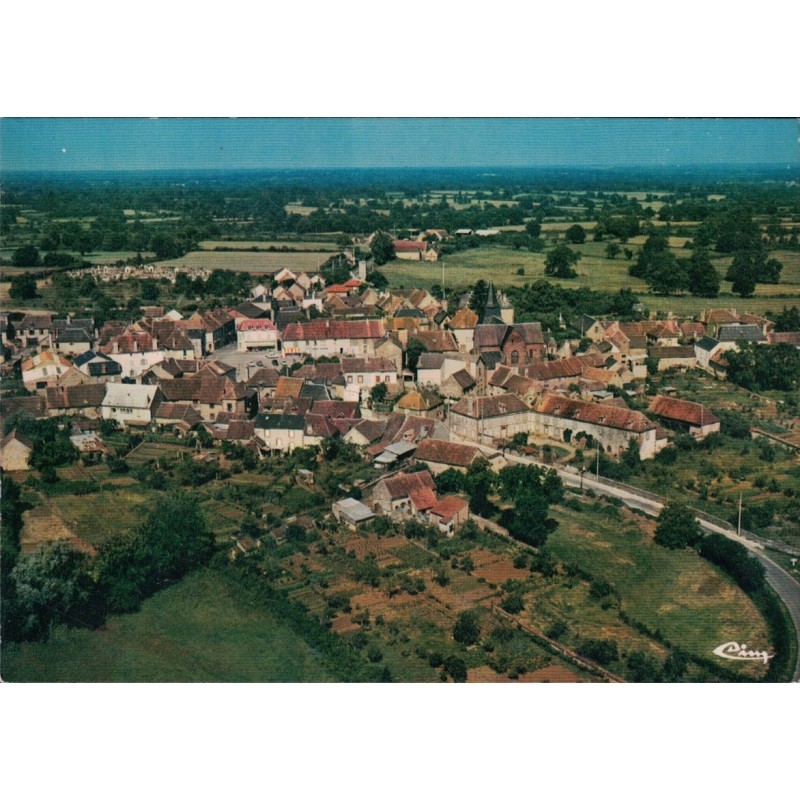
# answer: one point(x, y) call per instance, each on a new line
point(314, 246)
point(202, 629)
point(691, 602)
point(596, 272)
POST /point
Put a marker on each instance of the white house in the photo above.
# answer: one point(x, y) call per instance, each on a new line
point(130, 404)
point(256, 334)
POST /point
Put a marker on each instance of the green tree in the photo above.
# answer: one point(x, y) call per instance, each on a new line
point(378, 393)
point(26, 256)
point(612, 250)
point(560, 262)
point(23, 287)
point(478, 295)
point(677, 527)
point(575, 234)
point(382, 249)
point(414, 350)
point(743, 273)
point(666, 274)
point(702, 276)
point(52, 585)
point(787, 320)
point(533, 228)
point(456, 668)
point(466, 630)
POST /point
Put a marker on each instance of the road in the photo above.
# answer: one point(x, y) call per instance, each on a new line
point(787, 588)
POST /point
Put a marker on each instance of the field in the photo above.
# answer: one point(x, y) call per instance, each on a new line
point(267, 263)
point(692, 603)
point(596, 272)
point(202, 629)
point(315, 246)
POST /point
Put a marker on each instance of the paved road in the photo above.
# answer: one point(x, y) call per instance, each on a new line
point(784, 584)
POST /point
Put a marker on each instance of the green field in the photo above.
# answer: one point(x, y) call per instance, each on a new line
point(202, 629)
point(298, 244)
point(596, 272)
point(694, 605)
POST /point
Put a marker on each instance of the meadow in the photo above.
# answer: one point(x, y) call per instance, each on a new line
point(202, 629)
point(247, 261)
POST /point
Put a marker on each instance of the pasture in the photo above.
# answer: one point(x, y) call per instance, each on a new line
point(201, 629)
point(326, 246)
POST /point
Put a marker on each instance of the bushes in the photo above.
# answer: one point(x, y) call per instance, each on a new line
point(602, 651)
point(466, 630)
point(735, 560)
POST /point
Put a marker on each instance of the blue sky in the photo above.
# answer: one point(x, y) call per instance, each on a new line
point(67, 144)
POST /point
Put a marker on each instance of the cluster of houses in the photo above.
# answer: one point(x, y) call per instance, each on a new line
point(106, 273)
point(396, 373)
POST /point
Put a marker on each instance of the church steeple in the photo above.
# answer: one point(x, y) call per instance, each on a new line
point(492, 307)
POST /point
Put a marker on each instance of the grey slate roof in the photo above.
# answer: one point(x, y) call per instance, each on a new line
point(736, 333)
point(280, 422)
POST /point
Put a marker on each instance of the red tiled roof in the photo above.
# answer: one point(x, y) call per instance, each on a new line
point(288, 387)
point(437, 341)
point(682, 411)
point(402, 246)
point(483, 407)
point(88, 395)
point(322, 329)
point(404, 484)
point(377, 364)
point(593, 413)
point(441, 452)
point(336, 408)
point(448, 507)
point(262, 324)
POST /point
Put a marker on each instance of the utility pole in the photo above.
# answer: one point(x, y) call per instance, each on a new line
point(739, 526)
point(598, 461)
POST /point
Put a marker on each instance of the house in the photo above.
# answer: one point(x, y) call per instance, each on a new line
point(364, 373)
point(211, 395)
point(790, 338)
point(590, 328)
point(131, 404)
point(437, 341)
point(43, 370)
point(15, 452)
point(704, 349)
point(134, 352)
point(84, 399)
point(741, 333)
point(462, 324)
point(410, 251)
point(183, 417)
point(395, 452)
point(422, 402)
point(358, 338)
point(256, 334)
point(681, 357)
point(488, 419)
point(685, 416)
point(98, 367)
point(365, 432)
point(34, 330)
point(73, 340)
point(391, 348)
point(404, 493)
point(281, 432)
point(457, 385)
point(563, 419)
point(352, 512)
point(439, 455)
point(448, 514)
point(90, 446)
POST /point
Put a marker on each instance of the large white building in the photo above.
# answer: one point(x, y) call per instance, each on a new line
point(256, 334)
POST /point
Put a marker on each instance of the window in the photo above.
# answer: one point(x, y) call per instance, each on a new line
point(386, 379)
point(349, 378)
point(361, 379)
point(515, 357)
point(291, 434)
point(377, 379)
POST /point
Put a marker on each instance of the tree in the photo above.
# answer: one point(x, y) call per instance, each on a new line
point(466, 630)
point(677, 527)
point(378, 393)
point(787, 320)
point(382, 249)
point(414, 350)
point(456, 668)
point(23, 287)
point(533, 228)
point(743, 274)
point(52, 585)
point(657, 244)
point(575, 234)
point(478, 295)
point(560, 262)
point(702, 276)
point(612, 250)
point(735, 560)
point(26, 256)
point(665, 273)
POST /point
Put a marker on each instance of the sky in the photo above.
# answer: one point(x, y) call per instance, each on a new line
point(79, 144)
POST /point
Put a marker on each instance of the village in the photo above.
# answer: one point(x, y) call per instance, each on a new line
point(396, 373)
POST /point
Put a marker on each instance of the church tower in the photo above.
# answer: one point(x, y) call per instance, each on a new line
point(492, 308)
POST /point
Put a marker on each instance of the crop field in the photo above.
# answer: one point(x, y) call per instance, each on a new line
point(324, 246)
point(266, 263)
point(202, 629)
point(148, 452)
point(694, 604)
